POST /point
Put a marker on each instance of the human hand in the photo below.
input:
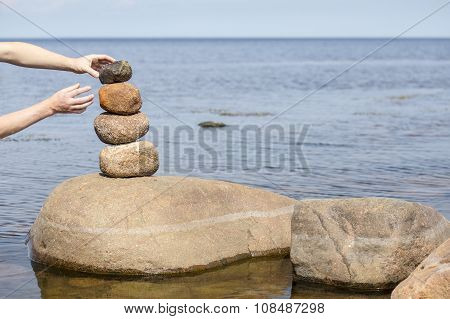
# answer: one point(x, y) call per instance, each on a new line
point(65, 100)
point(91, 64)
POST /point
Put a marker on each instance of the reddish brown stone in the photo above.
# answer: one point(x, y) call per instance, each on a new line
point(120, 98)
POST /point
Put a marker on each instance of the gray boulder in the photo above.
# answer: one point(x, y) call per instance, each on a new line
point(369, 243)
point(157, 225)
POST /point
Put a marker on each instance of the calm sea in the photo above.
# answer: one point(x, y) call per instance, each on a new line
point(380, 129)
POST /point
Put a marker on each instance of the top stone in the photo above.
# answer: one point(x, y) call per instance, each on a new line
point(119, 71)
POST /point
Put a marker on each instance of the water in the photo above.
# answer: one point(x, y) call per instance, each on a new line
point(379, 130)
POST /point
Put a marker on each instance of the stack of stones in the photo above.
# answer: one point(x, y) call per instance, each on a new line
point(122, 125)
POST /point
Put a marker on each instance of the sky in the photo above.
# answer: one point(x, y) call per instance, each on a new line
point(222, 18)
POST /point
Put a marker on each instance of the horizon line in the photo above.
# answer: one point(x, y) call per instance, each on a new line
point(228, 38)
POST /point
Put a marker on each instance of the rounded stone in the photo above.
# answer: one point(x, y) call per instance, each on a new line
point(430, 280)
point(119, 71)
point(120, 129)
point(120, 98)
point(129, 160)
point(157, 225)
point(368, 243)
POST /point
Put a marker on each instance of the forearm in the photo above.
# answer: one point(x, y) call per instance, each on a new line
point(31, 56)
point(17, 121)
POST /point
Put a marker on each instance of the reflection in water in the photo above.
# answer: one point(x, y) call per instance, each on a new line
point(254, 278)
point(304, 290)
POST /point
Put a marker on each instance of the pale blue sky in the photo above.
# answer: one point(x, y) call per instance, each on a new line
point(223, 18)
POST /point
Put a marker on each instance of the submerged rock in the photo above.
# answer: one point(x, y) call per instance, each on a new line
point(157, 225)
point(119, 71)
point(120, 129)
point(129, 160)
point(120, 98)
point(208, 124)
point(430, 280)
point(370, 243)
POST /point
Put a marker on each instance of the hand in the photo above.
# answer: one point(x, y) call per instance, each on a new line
point(65, 101)
point(91, 64)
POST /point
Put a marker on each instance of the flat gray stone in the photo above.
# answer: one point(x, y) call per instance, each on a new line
point(121, 129)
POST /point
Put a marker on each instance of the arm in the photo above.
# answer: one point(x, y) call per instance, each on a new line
point(64, 101)
point(31, 56)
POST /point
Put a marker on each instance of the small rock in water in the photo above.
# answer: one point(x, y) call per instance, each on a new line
point(129, 160)
point(120, 98)
point(119, 71)
point(430, 280)
point(120, 129)
point(208, 124)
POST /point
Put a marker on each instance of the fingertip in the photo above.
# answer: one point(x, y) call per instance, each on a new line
point(109, 58)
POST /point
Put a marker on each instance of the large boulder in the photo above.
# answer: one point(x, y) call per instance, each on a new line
point(129, 160)
point(120, 98)
point(369, 243)
point(120, 129)
point(157, 225)
point(430, 280)
point(119, 71)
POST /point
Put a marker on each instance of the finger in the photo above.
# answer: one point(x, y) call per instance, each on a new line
point(92, 72)
point(78, 111)
point(80, 91)
point(104, 57)
point(81, 100)
point(70, 88)
point(81, 106)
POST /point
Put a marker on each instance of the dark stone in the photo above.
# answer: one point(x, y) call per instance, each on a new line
point(209, 124)
point(119, 71)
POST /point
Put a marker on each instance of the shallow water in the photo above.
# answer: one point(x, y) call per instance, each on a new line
point(379, 130)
